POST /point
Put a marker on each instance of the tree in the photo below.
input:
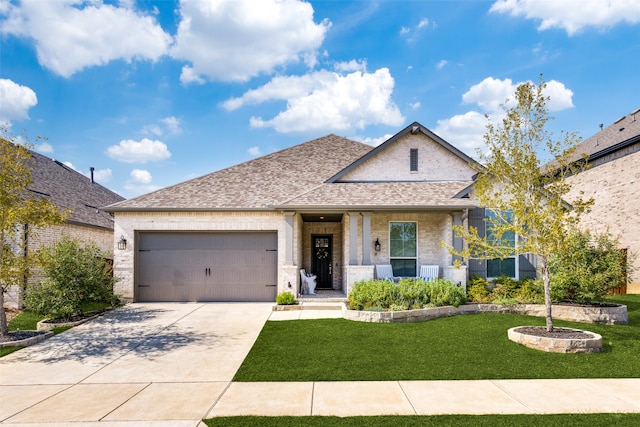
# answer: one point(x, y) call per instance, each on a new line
point(528, 212)
point(21, 211)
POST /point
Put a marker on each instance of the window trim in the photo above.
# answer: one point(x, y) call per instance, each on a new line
point(417, 240)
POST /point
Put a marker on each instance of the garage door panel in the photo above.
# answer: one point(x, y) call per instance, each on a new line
point(207, 267)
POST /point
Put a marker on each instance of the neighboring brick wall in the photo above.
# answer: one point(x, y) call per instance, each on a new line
point(615, 187)
point(435, 163)
point(44, 237)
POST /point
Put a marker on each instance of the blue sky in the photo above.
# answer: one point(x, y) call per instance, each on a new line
point(152, 93)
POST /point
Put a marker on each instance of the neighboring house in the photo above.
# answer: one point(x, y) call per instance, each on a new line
point(331, 206)
point(613, 180)
point(81, 196)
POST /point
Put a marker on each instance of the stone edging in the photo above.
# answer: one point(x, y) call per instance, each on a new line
point(45, 325)
point(558, 345)
point(616, 315)
point(27, 341)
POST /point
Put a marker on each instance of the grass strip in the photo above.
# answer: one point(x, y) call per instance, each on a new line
point(562, 420)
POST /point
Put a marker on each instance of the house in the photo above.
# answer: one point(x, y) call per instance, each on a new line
point(332, 206)
point(81, 197)
point(613, 180)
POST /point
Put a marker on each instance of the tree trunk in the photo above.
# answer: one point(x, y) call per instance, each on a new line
point(4, 327)
point(546, 280)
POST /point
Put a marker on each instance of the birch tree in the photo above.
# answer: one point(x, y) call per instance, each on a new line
point(526, 201)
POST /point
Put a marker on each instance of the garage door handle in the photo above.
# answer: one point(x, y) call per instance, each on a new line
point(207, 272)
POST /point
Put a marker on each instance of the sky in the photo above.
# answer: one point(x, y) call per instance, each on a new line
point(153, 93)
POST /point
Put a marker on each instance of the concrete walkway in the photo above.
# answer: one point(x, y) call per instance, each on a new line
point(172, 365)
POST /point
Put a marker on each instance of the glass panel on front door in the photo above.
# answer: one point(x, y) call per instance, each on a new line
point(321, 258)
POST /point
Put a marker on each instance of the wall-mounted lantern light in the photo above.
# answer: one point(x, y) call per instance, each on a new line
point(376, 245)
point(122, 243)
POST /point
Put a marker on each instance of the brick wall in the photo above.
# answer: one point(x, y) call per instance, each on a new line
point(615, 187)
point(435, 163)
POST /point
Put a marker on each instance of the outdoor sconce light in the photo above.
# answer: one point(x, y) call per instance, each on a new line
point(376, 245)
point(122, 244)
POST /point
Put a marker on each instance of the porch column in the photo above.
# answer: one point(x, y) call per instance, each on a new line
point(288, 255)
point(353, 238)
point(456, 241)
point(366, 238)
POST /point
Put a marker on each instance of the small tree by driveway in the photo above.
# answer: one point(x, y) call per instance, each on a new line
point(528, 212)
point(21, 211)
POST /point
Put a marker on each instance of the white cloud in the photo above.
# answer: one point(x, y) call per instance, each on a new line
point(423, 23)
point(234, 40)
point(45, 147)
point(73, 34)
point(169, 125)
point(352, 65)
point(572, 15)
point(466, 130)
point(16, 101)
point(102, 175)
point(440, 65)
point(372, 141)
point(326, 101)
point(141, 176)
point(415, 105)
point(70, 165)
point(254, 151)
point(146, 150)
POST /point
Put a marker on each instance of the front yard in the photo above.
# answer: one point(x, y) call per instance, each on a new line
point(455, 348)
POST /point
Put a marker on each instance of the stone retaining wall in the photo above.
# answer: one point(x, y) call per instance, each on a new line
point(608, 315)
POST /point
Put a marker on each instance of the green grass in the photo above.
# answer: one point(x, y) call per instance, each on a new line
point(466, 347)
point(564, 420)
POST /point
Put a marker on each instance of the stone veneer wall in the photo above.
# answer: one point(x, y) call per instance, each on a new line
point(615, 187)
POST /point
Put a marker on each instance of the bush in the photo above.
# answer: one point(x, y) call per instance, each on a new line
point(75, 275)
point(408, 294)
point(478, 289)
point(285, 298)
point(589, 270)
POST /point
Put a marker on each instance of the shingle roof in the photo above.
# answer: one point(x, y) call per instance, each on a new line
point(71, 190)
point(258, 184)
point(382, 195)
point(624, 129)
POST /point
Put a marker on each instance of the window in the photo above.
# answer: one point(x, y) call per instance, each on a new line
point(507, 266)
point(413, 160)
point(403, 251)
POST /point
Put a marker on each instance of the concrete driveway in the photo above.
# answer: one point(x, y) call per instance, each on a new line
point(160, 364)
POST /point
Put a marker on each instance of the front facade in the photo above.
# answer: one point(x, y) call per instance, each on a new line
point(331, 206)
point(613, 180)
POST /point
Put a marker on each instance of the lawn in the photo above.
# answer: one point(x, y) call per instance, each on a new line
point(466, 347)
point(564, 420)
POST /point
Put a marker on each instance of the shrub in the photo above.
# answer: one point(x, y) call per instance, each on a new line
point(529, 292)
point(589, 270)
point(285, 298)
point(368, 294)
point(75, 275)
point(408, 294)
point(478, 289)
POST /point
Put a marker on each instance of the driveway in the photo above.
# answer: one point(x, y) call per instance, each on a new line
point(168, 363)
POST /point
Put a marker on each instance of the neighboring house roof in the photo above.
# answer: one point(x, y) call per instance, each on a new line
point(71, 190)
point(621, 134)
point(307, 177)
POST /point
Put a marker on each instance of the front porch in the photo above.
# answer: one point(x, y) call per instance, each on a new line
point(341, 249)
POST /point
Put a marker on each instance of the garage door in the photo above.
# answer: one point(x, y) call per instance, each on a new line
point(207, 267)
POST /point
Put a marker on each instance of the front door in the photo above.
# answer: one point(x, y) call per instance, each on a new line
point(322, 257)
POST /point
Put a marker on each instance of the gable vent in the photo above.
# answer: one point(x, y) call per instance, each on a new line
point(413, 160)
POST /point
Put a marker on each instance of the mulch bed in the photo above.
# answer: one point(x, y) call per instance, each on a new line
point(20, 335)
point(541, 331)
